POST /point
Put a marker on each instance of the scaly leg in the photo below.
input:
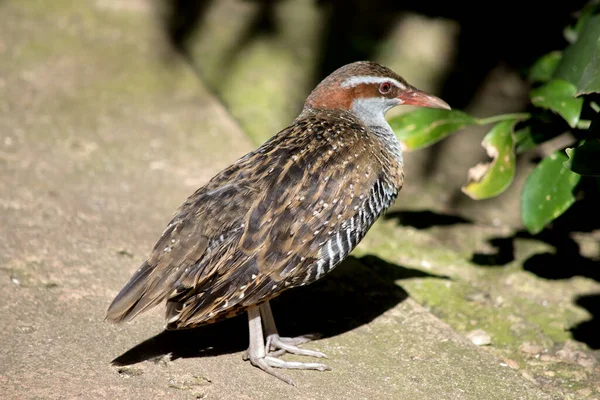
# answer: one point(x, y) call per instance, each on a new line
point(279, 344)
point(257, 355)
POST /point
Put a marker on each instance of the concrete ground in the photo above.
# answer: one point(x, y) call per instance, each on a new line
point(103, 133)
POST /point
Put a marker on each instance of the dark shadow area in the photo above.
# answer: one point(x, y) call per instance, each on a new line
point(503, 254)
point(588, 331)
point(353, 30)
point(356, 29)
point(181, 18)
point(352, 295)
point(425, 219)
point(224, 337)
point(507, 35)
point(564, 262)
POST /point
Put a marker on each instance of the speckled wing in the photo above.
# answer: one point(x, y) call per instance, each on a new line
point(207, 222)
point(280, 217)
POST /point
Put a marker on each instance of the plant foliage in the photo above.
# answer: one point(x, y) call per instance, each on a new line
point(564, 83)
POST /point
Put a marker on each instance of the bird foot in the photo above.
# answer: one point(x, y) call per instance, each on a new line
point(277, 345)
point(266, 355)
point(269, 363)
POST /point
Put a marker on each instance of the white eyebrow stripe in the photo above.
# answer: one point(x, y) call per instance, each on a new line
point(358, 80)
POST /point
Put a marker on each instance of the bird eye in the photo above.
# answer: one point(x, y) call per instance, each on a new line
point(385, 88)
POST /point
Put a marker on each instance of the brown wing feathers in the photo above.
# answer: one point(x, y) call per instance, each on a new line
point(268, 223)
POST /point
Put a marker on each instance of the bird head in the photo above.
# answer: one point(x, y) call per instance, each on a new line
point(368, 90)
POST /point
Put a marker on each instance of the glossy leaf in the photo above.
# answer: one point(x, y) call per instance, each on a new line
point(559, 96)
point(544, 67)
point(490, 179)
point(580, 63)
point(548, 192)
point(426, 126)
point(585, 159)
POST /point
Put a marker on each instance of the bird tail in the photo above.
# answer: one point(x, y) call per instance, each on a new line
point(138, 295)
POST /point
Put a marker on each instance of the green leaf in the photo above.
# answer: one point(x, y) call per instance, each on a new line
point(580, 63)
point(491, 179)
point(559, 96)
point(544, 67)
point(425, 126)
point(524, 140)
point(571, 33)
point(583, 159)
point(548, 192)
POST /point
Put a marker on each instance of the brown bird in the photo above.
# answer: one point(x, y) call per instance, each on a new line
point(282, 216)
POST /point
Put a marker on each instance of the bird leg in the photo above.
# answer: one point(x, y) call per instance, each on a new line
point(258, 357)
point(277, 345)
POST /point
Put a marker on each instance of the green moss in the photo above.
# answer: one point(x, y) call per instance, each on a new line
point(453, 302)
point(512, 305)
point(407, 246)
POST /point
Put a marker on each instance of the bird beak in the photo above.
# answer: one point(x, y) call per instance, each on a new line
point(416, 97)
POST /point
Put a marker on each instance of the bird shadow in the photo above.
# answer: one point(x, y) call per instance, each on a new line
point(354, 294)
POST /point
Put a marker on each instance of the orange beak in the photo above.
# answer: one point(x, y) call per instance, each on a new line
point(416, 97)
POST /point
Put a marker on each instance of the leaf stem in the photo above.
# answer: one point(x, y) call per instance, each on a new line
point(502, 117)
